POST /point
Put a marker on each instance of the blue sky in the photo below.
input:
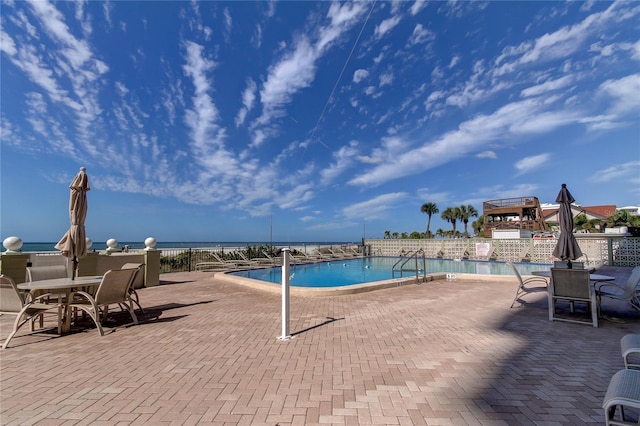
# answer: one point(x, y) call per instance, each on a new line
point(209, 121)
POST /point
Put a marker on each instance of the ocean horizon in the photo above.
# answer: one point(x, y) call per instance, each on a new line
point(136, 245)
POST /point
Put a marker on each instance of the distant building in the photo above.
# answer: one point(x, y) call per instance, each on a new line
point(550, 212)
point(507, 214)
point(632, 210)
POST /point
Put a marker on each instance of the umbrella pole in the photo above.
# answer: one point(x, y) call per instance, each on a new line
point(75, 267)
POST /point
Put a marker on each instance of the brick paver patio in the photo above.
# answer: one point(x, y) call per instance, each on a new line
point(206, 352)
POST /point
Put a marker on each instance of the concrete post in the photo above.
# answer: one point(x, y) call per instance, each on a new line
point(151, 267)
point(14, 265)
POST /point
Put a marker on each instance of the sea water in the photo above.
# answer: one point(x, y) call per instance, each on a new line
point(137, 245)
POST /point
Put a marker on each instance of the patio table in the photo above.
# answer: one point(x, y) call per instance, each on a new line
point(63, 287)
point(592, 277)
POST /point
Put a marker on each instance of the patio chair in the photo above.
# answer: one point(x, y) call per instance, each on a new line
point(630, 292)
point(46, 272)
point(526, 286)
point(113, 290)
point(624, 392)
point(135, 282)
point(13, 303)
point(630, 348)
point(37, 273)
point(572, 285)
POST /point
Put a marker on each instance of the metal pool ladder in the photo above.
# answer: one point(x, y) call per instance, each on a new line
point(404, 265)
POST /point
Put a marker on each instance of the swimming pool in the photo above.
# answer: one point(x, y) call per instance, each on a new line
point(338, 273)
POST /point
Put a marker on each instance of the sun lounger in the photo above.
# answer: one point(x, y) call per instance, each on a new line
point(630, 348)
point(623, 392)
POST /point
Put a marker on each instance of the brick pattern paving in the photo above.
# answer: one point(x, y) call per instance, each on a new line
point(206, 352)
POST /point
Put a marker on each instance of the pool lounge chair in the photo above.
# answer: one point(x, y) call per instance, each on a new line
point(623, 392)
point(216, 265)
point(630, 349)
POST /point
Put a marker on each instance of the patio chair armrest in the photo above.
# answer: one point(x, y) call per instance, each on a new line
point(534, 279)
point(599, 285)
point(81, 295)
point(39, 300)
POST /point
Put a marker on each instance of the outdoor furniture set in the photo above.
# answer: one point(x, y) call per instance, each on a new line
point(578, 285)
point(48, 291)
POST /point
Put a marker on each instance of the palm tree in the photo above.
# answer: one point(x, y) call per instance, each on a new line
point(429, 209)
point(387, 235)
point(467, 212)
point(451, 215)
point(478, 225)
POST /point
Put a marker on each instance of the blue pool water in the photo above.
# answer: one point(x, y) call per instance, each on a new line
point(337, 273)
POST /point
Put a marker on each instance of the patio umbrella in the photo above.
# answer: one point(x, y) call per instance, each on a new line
point(73, 243)
point(567, 247)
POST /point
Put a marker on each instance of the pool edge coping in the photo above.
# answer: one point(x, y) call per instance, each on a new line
point(353, 288)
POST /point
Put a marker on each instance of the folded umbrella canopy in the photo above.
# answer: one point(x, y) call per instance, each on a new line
point(73, 243)
point(567, 247)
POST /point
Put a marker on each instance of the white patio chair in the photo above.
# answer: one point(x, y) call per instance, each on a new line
point(12, 302)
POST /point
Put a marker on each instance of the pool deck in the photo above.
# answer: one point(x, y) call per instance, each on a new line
point(207, 352)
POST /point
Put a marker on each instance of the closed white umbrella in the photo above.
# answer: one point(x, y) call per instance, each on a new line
point(73, 243)
point(567, 247)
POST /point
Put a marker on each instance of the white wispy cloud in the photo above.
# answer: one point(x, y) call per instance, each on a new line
point(548, 86)
point(248, 100)
point(359, 75)
point(526, 116)
point(487, 154)
point(386, 26)
point(625, 93)
point(343, 160)
point(376, 208)
point(421, 35)
point(296, 70)
point(534, 162)
point(625, 172)
point(417, 6)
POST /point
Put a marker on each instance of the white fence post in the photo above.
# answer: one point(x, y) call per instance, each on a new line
point(285, 295)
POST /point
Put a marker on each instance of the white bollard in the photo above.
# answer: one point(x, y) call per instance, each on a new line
point(285, 295)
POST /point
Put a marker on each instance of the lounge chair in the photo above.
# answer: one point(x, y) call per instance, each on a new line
point(113, 290)
point(525, 286)
point(630, 348)
point(271, 260)
point(630, 292)
point(572, 285)
point(624, 392)
point(12, 302)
